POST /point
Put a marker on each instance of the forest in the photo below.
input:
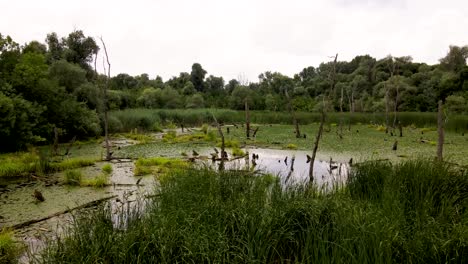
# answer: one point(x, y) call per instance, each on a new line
point(55, 85)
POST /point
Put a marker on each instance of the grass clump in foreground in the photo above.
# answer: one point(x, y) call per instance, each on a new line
point(414, 212)
point(9, 249)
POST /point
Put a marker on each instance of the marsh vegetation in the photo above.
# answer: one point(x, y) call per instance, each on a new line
point(128, 169)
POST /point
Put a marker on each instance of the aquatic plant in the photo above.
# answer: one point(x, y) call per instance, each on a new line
point(100, 181)
point(107, 168)
point(237, 152)
point(158, 165)
point(73, 177)
point(291, 146)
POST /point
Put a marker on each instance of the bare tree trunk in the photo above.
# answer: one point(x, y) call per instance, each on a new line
point(316, 144)
point(400, 128)
point(106, 120)
point(293, 114)
point(352, 101)
point(341, 112)
point(56, 142)
point(223, 145)
point(440, 131)
point(247, 120)
point(350, 109)
point(396, 108)
point(341, 100)
point(332, 78)
point(386, 110)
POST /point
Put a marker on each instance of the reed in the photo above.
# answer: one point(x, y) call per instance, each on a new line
point(412, 212)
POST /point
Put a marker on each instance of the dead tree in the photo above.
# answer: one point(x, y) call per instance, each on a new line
point(396, 107)
point(440, 131)
point(55, 150)
point(332, 77)
point(316, 144)
point(247, 119)
point(223, 146)
point(341, 111)
point(400, 128)
point(70, 145)
point(106, 120)
point(293, 114)
point(391, 68)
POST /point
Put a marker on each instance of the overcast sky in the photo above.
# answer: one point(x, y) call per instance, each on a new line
point(244, 37)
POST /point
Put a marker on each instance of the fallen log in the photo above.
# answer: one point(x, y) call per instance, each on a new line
point(83, 206)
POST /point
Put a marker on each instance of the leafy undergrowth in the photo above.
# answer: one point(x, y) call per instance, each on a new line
point(413, 212)
point(159, 165)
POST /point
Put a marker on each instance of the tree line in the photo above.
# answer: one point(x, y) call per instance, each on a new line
point(55, 85)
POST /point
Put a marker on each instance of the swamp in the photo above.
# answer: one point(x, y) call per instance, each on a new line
point(353, 161)
point(164, 198)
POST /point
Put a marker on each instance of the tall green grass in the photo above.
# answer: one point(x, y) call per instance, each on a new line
point(9, 248)
point(147, 119)
point(414, 212)
point(24, 163)
point(73, 177)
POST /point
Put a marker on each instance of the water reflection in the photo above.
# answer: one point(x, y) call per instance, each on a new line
point(292, 166)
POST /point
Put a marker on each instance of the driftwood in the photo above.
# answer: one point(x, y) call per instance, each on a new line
point(83, 206)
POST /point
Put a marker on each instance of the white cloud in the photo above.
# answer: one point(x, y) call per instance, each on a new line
point(231, 37)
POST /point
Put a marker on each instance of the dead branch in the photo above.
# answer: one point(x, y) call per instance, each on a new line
point(316, 144)
point(223, 146)
point(255, 131)
point(106, 120)
point(83, 206)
